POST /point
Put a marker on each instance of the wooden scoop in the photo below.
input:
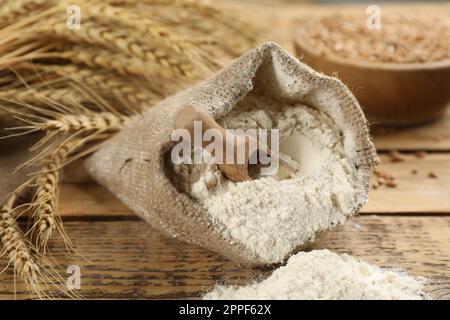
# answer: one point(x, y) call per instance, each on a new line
point(234, 170)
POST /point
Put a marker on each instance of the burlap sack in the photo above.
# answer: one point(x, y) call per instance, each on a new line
point(132, 164)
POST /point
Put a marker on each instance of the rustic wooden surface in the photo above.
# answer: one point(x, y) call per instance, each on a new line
point(435, 137)
point(130, 260)
point(404, 227)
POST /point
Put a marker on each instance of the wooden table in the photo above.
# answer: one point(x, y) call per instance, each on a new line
point(404, 227)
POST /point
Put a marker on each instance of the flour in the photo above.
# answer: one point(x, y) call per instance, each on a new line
point(321, 274)
point(272, 216)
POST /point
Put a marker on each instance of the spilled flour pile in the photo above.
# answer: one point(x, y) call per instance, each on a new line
point(273, 215)
point(322, 274)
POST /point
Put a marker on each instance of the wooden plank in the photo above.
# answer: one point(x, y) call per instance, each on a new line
point(415, 193)
point(89, 199)
point(434, 136)
point(130, 260)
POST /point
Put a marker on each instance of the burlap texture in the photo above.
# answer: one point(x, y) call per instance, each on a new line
point(132, 164)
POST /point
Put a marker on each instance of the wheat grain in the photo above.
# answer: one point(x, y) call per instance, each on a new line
point(412, 37)
point(432, 175)
point(46, 194)
point(420, 154)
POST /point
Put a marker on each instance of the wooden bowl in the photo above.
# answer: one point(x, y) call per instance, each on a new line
point(392, 94)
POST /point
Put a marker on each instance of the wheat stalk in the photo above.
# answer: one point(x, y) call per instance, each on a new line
point(121, 64)
point(46, 194)
point(154, 32)
point(45, 199)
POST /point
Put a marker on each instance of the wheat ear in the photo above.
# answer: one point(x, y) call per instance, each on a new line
point(104, 122)
point(100, 35)
point(45, 200)
point(15, 246)
point(134, 95)
point(155, 32)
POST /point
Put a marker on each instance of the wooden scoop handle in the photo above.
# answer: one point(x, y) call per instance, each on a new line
point(186, 120)
point(187, 117)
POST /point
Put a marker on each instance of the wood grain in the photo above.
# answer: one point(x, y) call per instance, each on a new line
point(285, 18)
point(89, 200)
point(129, 260)
point(415, 193)
point(433, 136)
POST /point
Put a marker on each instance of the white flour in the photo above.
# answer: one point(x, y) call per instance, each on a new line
point(273, 216)
point(321, 274)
